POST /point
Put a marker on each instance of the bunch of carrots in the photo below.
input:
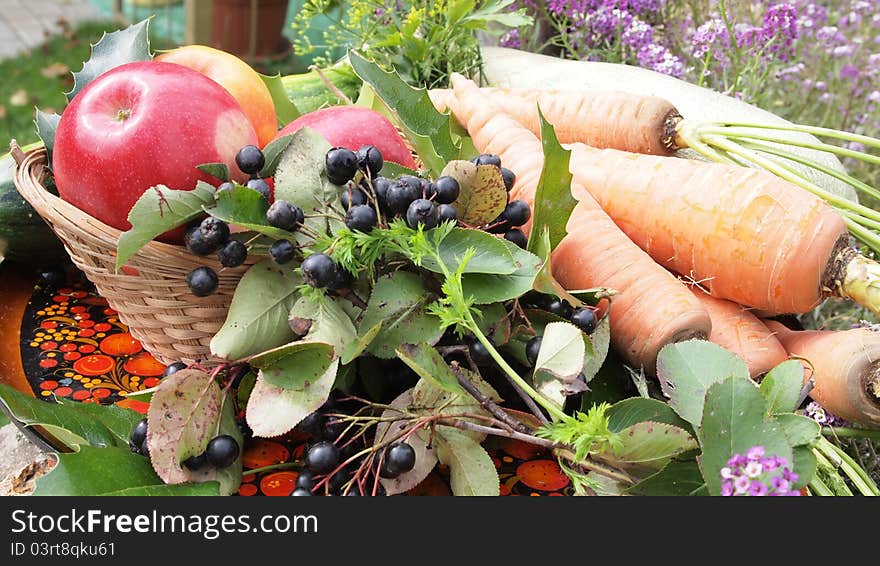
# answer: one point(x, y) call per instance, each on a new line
point(694, 249)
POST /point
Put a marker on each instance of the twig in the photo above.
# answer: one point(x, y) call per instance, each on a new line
point(487, 403)
point(353, 298)
point(467, 425)
point(530, 403)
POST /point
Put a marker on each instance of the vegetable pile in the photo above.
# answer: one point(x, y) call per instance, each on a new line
point(402, 312)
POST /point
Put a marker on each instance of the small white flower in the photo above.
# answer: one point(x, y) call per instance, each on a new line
point(741, 484)
point(753, 469)
point(726, 474)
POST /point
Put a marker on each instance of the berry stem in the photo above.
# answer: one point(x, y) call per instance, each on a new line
point(281, 466)
point(488, 404)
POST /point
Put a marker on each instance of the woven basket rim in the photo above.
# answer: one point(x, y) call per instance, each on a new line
point(28, 180)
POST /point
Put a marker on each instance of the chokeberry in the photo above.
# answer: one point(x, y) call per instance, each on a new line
point(174, 368)
point(517, 237)
point(361, 218)
point(585, 319)
point(386, 472)
point(215, 231)
point(509, 178)
point(285, 215)
point(338, 480)
point(319, 270)
point(487, 159)
point(313, 424)
point(282, 251)
point(533, 346)
point(352, 196)
point(500, 225)
point(517, 212)
point(428, 189)
point(479, 354)
point(447, 212)
point(400, 457)
point(333, 428)
point(300, 492)
point(342, 165)
point(322, 457)
point(202, 281)
point(370, 160)
point(232, 254)
point(250, 159)
point(447, 190)
point(225, 186)
point(422, 212)
point(222, 451)
point(380, 188)
point(260, 186)
point(342, 280)
point(305, 479)
point(560, 308)
point(196, 242)
point(138, 436)
point(402, 193)
point(195, 462)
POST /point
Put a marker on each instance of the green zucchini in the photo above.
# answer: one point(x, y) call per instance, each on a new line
point(24, 236)
point(308, 91)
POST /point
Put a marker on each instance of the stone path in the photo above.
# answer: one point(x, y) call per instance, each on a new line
point(25, 24)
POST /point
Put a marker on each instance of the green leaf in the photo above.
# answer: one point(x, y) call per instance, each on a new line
point(360, 345)
point(272, 153)
point(648, 442)
point(285, 109)
point(398, 301)
point(491, 255)
point(429, 131)
point(600, 340)
point(635, 410)
point(686, 371)
point(675, 479)
point(457, 9)
point(216, 170)
point(273, 411)
point(300, 178)
point(430, 400)
point(157, 211)
point(183, 489)
point(96, 471)
point(46, 125)
point(560, 360)
point(95, 425)
point(799, 430)
point(609, 384)
point(544, 281)
point(804, 466)
point(426, 456)
point(472, 472)
point(483, 196)
point(553, 199)
point(782, 386)
point(494, 322)
point(497, 12)
point(257, 318)
point(296, 365)
point(246, 207)
point(487, 288)
point(328, 323)
point(427, 362)
point(183, 417)
point(735, 419)
point(112, 50)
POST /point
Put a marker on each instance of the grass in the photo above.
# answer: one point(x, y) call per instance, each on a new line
point(40, 77)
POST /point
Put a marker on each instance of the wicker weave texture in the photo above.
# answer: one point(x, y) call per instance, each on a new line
point(150, 292)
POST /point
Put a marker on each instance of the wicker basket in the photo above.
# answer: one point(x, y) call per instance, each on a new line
point(150, 293)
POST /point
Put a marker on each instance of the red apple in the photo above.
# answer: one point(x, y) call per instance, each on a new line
point(353, 127)
point(140, 125)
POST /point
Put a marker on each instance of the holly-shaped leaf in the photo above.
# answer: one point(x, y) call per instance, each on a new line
point(47, 124)
point(734, 419)
point(426, 456)
point(110, 471)
point(427, 362)
point(112, 50)
point(483, 195)
point(472, 472)
point(187, 410)
point(257, 317)
point(273, 411)
point(686, 371)
point(553, 199)
point(782, 386)
point(159, 210)
point(399, 302)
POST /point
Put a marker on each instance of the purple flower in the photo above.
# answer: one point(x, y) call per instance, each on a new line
point(727, 488)
point(755, 453)
point(741, 484)
point(757, 489)
point(511, 39)
point(756, 475)
point(779, 484)
point(753, 469)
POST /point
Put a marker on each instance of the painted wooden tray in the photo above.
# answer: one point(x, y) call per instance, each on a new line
point(65, 341)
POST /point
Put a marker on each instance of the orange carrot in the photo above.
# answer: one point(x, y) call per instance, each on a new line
point(743, 333)
point(652, 308)
point(602, 119)
point(844, 365)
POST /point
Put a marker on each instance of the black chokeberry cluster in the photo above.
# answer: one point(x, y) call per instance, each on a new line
point(250, 160)
point(584, 318)
point(137, 440)
point(222, 451)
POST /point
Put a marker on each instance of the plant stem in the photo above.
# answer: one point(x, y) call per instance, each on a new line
point(845, 432)
point(531, 439)
point(487, 403)
point(814, 130)
point(281, 466)
point(853, 471)
point(818, 487)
